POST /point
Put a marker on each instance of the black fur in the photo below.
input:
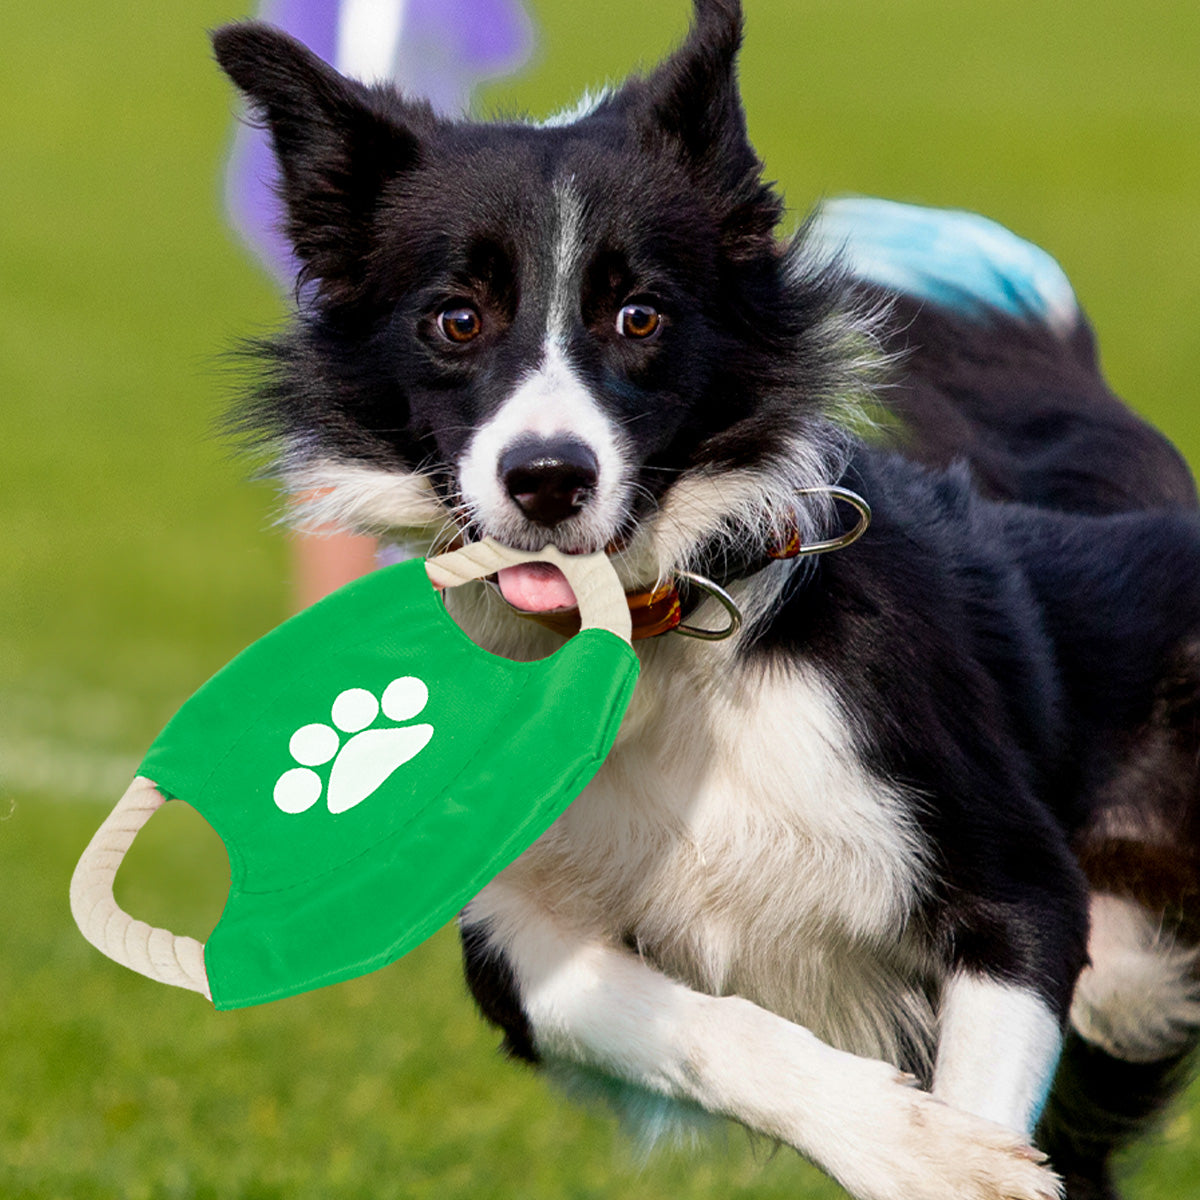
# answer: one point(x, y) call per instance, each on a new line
point(491, 981)
point(1101, 1103)
point(1030, 410)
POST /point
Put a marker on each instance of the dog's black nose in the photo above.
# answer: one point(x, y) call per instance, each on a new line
point(550, 479)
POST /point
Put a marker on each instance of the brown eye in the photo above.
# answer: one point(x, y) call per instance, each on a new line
point(459, 324)
point(639, 321)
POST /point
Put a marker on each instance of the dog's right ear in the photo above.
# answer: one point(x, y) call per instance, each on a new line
point(338, 143)
point(690, 105)
point(693, 98)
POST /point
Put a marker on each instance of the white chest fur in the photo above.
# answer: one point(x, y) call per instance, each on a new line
point(734, 838)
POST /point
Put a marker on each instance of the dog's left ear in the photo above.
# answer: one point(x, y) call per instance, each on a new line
point(691, 101)
point(338, 143)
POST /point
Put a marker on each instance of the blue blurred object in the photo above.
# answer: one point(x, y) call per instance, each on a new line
point(955, 259)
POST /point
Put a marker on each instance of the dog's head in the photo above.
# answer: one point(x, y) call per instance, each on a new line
point(582, 331)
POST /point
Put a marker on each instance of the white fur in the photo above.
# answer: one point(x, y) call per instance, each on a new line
point(997, 1051)
point(595, 1004)
point(753, 856)
point(550, 401)
point(745, 509)
point(333, 493)
point(1140, 997)
point(563, 314)
point(583, 107)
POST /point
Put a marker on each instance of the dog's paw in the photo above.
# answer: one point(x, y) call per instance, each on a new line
point(367, 759)
point(915, 1147)
point(947, 1154)
point(974, 1159)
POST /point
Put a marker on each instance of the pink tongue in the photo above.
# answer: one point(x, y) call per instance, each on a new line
point(535, 587)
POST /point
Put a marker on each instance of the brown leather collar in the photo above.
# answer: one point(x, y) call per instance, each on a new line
point(657, 610)
point(662, 609)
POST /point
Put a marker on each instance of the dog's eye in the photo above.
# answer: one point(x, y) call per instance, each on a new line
point(459, 324)
point(639, 321)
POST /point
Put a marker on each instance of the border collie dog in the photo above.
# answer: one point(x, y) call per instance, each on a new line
point(905, 873)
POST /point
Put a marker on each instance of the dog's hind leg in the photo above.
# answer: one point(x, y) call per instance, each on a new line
point(1136, 1024)
point(1100, 1104)
point(1136, 1009)
point(997, 364)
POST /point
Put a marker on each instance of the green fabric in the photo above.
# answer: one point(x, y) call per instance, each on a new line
point(471, 776)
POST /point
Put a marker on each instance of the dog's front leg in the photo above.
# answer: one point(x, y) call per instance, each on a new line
point(997, 1050)
point(594, 1003)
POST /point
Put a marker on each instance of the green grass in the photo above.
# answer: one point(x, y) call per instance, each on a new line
point(137, 560)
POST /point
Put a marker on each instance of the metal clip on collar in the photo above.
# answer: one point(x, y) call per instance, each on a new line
point(726, 601)
point(794, 550)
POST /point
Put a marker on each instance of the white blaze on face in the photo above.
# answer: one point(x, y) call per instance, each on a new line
point(550, 402)
point(567, 263)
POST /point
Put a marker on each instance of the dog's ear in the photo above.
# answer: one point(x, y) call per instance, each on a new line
point(691, 101)
point(338, 143)
point(693, 94)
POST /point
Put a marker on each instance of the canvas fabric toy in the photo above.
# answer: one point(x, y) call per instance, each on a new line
point(369, 769)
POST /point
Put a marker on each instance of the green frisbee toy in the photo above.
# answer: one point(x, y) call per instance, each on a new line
point(369, 769)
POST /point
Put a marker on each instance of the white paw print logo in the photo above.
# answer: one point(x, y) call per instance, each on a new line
point(370, 756)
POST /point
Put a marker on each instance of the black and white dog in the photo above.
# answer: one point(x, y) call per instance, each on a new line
point(905, 873)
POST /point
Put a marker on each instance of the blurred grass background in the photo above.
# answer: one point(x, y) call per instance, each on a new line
point(137, 560)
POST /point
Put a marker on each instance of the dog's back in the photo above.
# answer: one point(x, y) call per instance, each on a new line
point(996, 368)
point(996, 363)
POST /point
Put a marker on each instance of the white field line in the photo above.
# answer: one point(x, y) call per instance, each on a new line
point(61, 769)
point(59, 740)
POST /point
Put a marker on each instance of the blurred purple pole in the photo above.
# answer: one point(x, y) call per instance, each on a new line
point(437, 49)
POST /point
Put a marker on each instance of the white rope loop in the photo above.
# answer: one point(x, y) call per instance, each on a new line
point(598, 592)
point(156, 953)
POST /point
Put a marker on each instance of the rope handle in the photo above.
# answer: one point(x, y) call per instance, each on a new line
point(156, 953)
point(598, 591)
point(179, 961)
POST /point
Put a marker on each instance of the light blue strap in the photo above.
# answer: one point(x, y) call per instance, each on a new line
point(959, 260)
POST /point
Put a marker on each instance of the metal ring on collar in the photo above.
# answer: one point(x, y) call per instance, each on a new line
point(851, 535)
point(835, 543)
point(719, 594)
